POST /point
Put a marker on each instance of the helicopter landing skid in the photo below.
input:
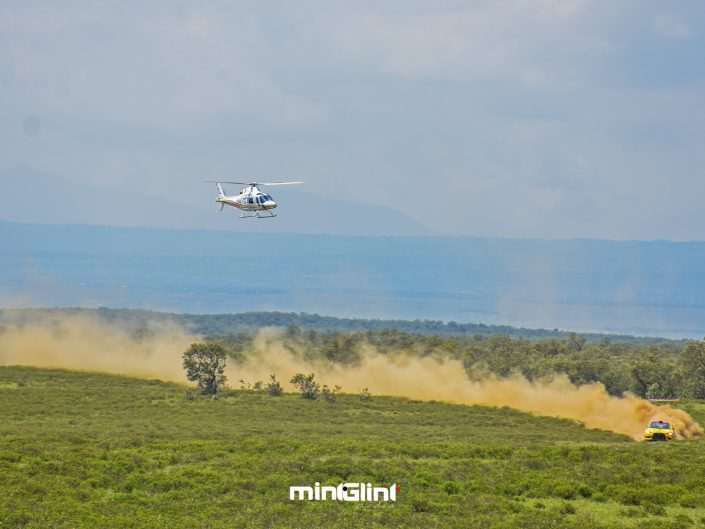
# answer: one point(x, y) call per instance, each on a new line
point(258, 214)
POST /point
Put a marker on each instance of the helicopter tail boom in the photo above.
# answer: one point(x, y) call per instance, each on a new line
point(221, 193)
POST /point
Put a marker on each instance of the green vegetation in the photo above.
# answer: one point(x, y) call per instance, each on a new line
point(307, 385)
point(83, 450)
point(251, 322)
point(274, 388)
point(667, 370)
point(205, 364)
point(648, 367)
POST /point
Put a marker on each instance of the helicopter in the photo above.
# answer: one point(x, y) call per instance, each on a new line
point(251, 201)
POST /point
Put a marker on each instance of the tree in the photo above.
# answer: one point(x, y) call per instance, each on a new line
point(309, 388)
point(693, 370)
point(575, 342)
point(343, 349)
point(205, 364)
point(653, 376)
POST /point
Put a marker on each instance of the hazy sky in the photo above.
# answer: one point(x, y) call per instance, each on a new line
point(522, 118)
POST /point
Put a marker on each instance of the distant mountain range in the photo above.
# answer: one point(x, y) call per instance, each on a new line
point(644, 288)
point(35, 197)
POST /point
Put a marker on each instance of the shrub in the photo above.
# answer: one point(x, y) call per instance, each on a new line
point(365, 394)
point(682, 520)
point(564, 490)
point(245, 385)
point(599, 497)
point(625, 495)
point(328, 394)
point(630, 512)
point(306, 384)
point(654, 509)
point(691, 501)
point(420, 505)
point(274, 388)
point(451, 487)
point(584, 491)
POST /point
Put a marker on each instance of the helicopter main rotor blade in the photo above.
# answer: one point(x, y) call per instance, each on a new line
point(225, 182)
point(253, 183)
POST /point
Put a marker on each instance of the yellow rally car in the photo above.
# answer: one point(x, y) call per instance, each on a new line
point(659, 431)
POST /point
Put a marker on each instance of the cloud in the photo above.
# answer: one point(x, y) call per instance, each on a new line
point(671, 26)
point(157, 67)
point(565, 106)
point(506, 39)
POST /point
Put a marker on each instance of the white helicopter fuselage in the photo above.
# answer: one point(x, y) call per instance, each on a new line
point(248, 202)
point(251, 201)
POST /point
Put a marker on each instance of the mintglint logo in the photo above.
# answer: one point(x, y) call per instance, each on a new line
point(344, 492)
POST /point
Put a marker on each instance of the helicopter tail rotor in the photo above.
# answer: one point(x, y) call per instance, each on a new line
point(221, 192)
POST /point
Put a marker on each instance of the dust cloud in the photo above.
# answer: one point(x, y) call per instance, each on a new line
point(86, 343)
point(90, 344)
point(427, 378)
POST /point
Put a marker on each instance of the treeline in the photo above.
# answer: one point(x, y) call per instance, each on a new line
point(250, 322)
point(648, 367)
point(214, 324)
point(665, 370)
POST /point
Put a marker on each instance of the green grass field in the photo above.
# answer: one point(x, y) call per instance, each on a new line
point(82, 450)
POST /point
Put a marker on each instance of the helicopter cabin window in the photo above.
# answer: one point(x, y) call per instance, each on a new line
point(250, 201)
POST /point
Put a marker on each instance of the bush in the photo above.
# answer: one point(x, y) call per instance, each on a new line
point(682, 520)
point(584, 491)
point(365, 394)
point(420, 505)
point(274, 388)
point(309, 388)
point(451, 487)
point(630, 512)
point(564, 490)
point(328, 394)
point(654, 509)
point(691, 501)
point(599, 497)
